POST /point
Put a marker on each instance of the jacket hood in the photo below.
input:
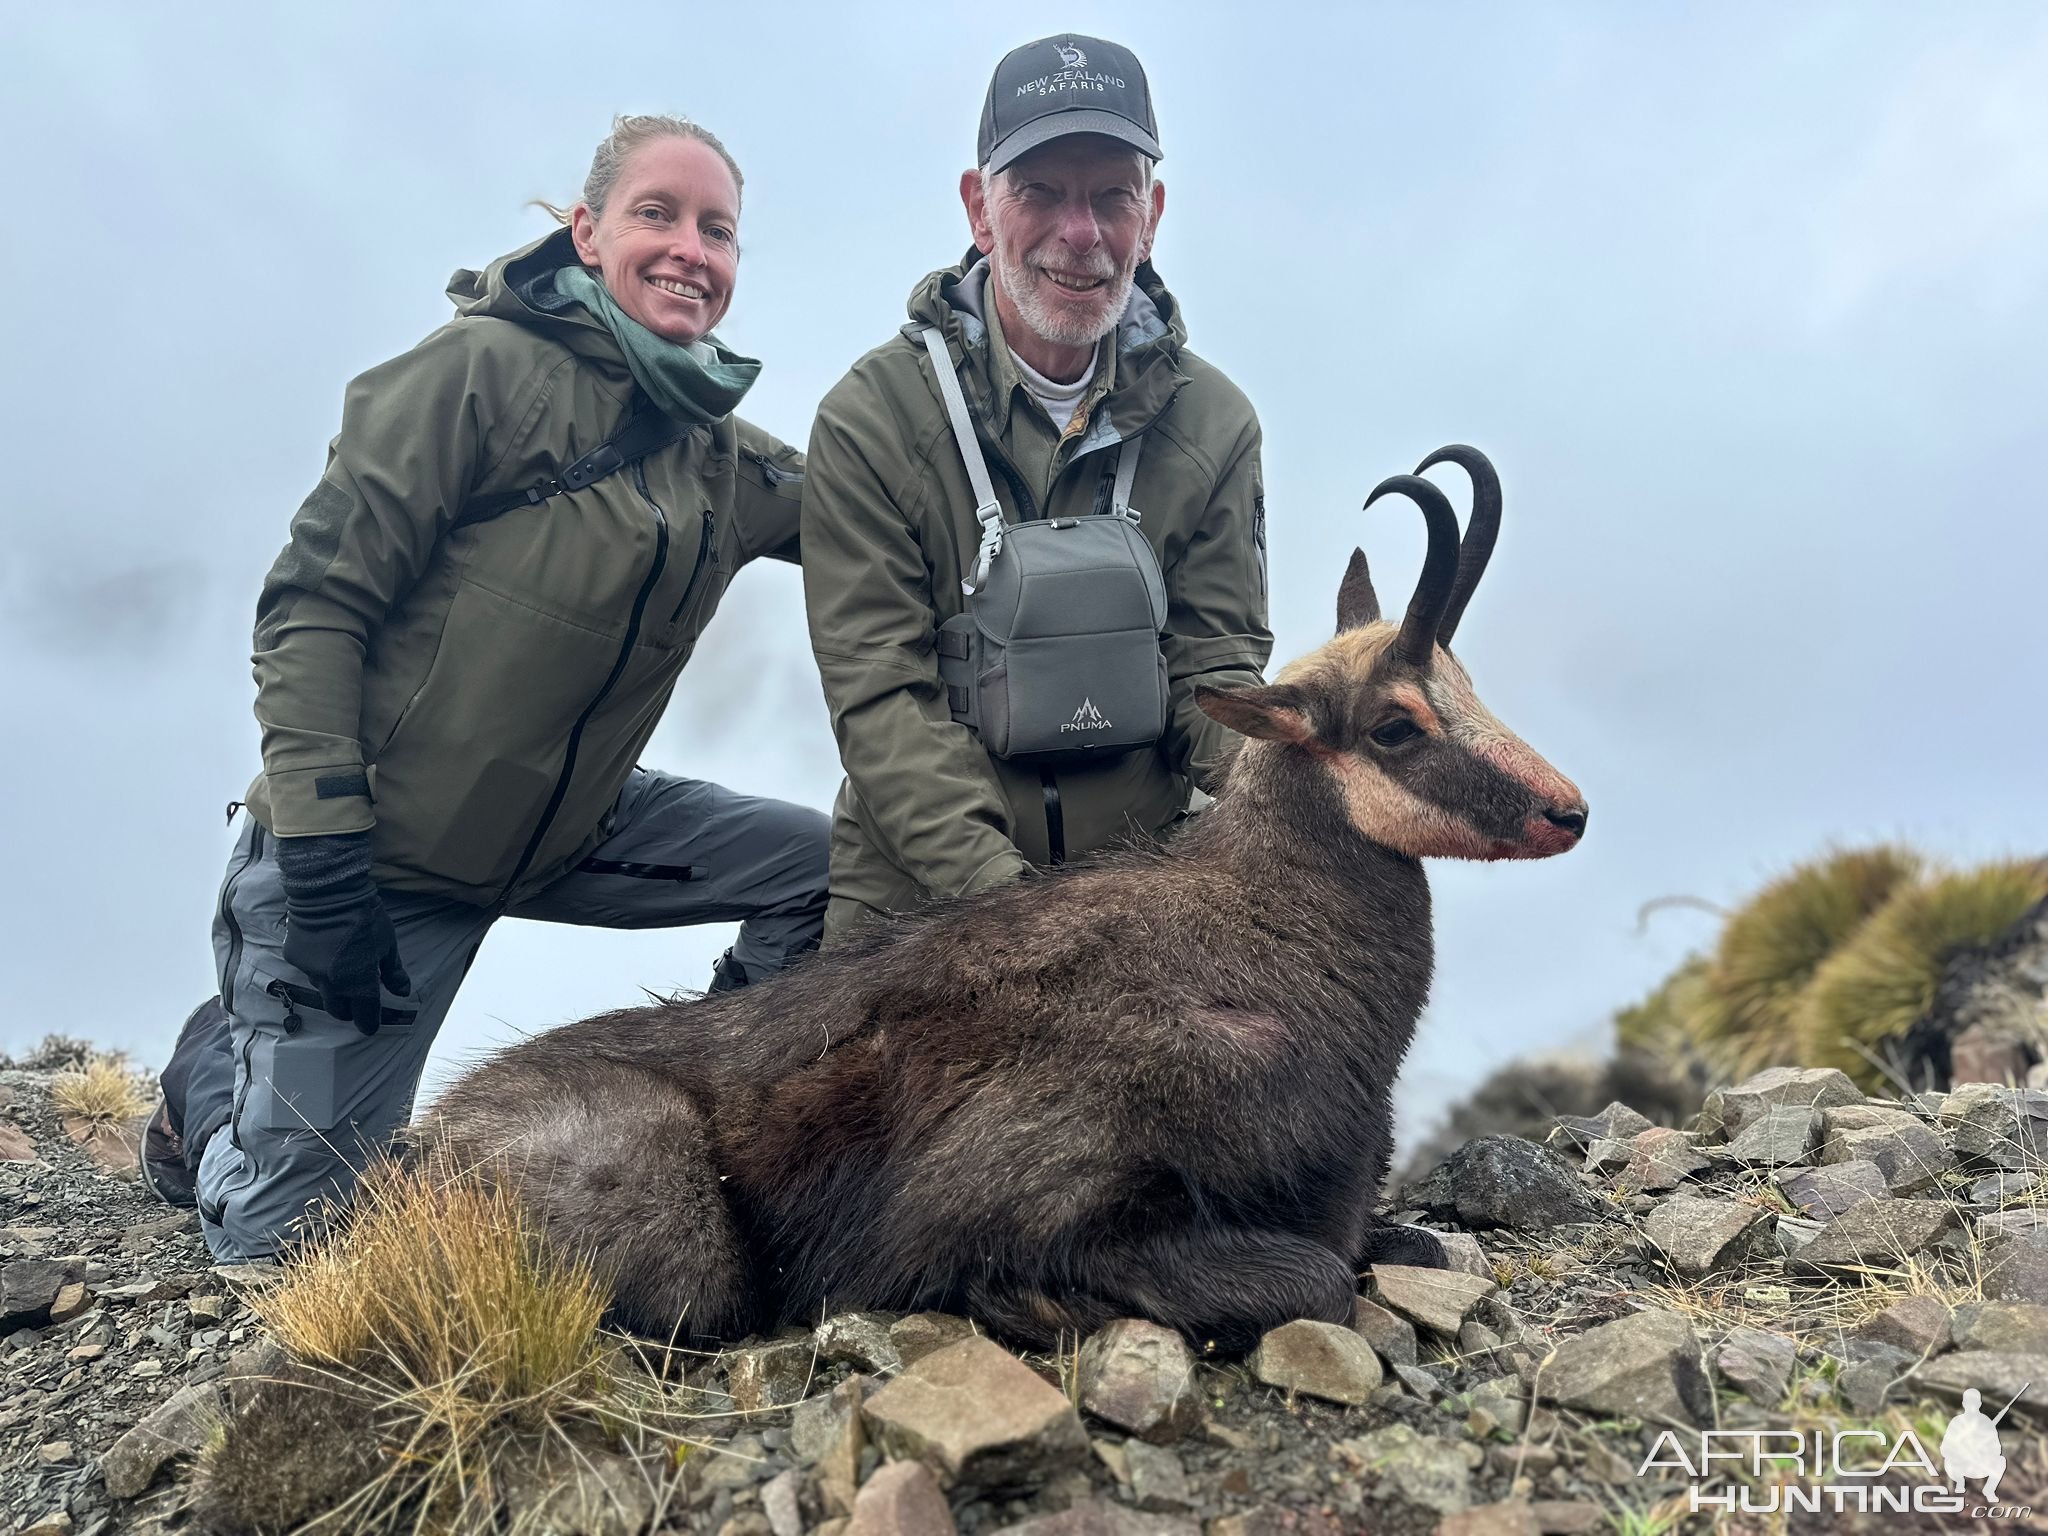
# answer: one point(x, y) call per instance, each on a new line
point(515, 287)
point(1149, 338)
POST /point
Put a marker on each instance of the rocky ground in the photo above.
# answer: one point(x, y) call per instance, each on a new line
point(1798, 1259)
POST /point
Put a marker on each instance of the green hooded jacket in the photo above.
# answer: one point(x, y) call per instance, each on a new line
point(476, 695)
point(889, 530)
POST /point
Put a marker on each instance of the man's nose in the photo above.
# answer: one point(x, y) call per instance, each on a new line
point(1078, 228)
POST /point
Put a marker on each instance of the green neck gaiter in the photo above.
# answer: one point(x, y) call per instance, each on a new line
point(696, 383)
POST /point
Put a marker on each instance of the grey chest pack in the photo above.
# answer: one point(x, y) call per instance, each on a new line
point(1057, 655)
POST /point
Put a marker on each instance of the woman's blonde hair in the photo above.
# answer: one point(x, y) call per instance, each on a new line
point(628, 133)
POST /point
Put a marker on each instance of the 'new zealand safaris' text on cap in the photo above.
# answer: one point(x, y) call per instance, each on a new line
point(1062, 85)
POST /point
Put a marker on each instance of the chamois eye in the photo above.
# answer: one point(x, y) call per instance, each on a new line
point(1396, 731)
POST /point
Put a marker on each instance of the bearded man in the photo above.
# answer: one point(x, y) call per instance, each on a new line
point(1070, 355)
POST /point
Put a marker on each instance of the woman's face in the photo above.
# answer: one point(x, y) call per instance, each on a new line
point(667, 247)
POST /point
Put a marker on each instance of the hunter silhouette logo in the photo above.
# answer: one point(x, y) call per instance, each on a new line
point(1071, 57)
point(1087, 718)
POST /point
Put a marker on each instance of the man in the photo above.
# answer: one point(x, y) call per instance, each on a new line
point(1066, 346)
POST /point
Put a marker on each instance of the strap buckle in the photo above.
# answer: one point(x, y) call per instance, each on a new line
point(990, 516)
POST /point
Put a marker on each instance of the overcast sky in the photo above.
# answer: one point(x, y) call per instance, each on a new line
point(1748, 302)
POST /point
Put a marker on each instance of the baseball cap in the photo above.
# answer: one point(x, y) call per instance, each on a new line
point(1061, 85)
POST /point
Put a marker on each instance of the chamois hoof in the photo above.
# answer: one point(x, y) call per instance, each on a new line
point(1417, 1246)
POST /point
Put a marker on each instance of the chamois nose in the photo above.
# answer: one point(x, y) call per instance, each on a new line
point(1571, 819)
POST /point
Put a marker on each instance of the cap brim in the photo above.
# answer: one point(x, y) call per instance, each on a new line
point(1057, 125)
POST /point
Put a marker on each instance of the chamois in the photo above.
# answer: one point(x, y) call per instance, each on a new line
point(1155, 1085)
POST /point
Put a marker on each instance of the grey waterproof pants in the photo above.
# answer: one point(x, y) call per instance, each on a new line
point(315, 1098)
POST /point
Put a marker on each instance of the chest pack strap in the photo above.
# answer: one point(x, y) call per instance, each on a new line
point(646, 431)
point(987, 510)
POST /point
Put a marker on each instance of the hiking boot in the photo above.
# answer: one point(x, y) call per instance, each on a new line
point(162, 1159)
point(727, 975)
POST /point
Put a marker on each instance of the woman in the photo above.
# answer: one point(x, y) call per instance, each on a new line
point(524, 525)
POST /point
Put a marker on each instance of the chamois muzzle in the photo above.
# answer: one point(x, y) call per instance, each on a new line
point(1419, 627)
point(1476, 548)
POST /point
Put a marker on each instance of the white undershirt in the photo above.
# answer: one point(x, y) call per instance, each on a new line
point(1059, 400)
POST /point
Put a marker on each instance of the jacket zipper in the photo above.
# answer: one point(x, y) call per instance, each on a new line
point(654, 570)
point(232, 923)
point(705, 554)
point(772, 472)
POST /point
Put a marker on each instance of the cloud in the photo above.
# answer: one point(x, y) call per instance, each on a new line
point(144, 611)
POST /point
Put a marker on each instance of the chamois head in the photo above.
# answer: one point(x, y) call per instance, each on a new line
point(1388, 714)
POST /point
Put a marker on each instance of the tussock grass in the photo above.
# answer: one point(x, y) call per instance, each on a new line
point(437, 1279)
point(473, 1348)
point(100, 1089)
point(1772, 948)
point(1884, 978)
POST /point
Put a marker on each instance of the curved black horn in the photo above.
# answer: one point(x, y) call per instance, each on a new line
point(1480, 531)
point(1439, 567)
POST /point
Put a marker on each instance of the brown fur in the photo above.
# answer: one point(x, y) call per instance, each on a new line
point(1158, 1085)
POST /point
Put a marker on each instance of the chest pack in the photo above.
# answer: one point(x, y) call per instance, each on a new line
point(1057, 653)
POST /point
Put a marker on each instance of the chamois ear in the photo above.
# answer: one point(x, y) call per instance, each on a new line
point(1273, 713)
point(1357, 604)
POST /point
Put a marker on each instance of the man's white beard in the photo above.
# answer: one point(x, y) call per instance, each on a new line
point(1020, 282)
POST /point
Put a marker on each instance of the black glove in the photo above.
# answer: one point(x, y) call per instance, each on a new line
point(336, 930)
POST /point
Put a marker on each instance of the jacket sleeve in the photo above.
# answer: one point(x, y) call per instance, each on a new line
point(771, 484)
point(931, 796)
point(1216, 630)
point(413, 443)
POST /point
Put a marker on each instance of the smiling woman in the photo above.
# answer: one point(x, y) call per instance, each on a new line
point(525, 523)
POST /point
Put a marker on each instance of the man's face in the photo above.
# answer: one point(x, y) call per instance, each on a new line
point(1066, 226)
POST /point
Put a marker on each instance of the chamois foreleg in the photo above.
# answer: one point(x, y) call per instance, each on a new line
point(1222, 1288)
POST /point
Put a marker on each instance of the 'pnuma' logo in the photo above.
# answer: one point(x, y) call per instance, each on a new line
point(1087, 718)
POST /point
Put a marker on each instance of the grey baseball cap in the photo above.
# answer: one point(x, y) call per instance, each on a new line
point(1061, 85)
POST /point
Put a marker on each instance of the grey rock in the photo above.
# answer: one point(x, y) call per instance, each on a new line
point(818, 1421)
point(1758, 1363)
point(595, 1493)
point(1646, 1365)
point(1418, 1471)
point(1910, 1154)
point(901, 1499)
point(1504, 1181)
point(1465, 1255)
point(1504, 1400)
point(1867, 1385)
point(1701, 1236)
point(1420, 1380)
point(2016, 1269)
point(1509, 1517)
point(1881, 1233)
point(861, 1339)
point(176, 1427)
point(1919, 1325)
point(978, 1417)
point(1978, 1055)
point(1995, 1375)
point(1274, 1520)
point(1992, 1125)
point(781, 1503)
point(1660, 1159)
point(2005, 1327)
point(770, 1375)
point(29, 1287)
point(1617, 1122)
point(740, 1462)
point(1991, 1226)
point(1997, 1188)
point(1783, 1087)
point(1321, 1359)
point(1141, 1378)
point(921, 1333)
point(1392, 1337)
point(1158, 1480)
point(1827, 1192)
point(1437, 1299)
point(1476, 1341)
point(1782, 1134)
point(1607, 1157)
point(1795, 1232)
point(1095, 1517)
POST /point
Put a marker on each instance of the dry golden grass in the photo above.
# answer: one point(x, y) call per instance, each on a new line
point(1883, 980)
point(101, 1089)
point(1772, 948)
point(437, 1280)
